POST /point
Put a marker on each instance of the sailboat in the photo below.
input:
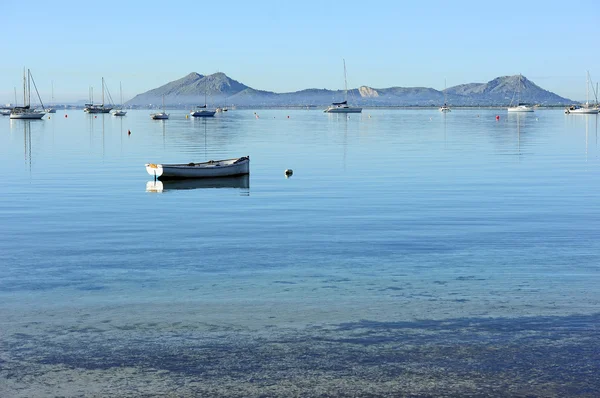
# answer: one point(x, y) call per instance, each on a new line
point(521, 107)
point(445, 107)
point(342, 107)
point(25, 111)
point(51, 109)
point(99, 108)
point(586, 109)
point(120, 112)
point(160, 115)
point(201, 111)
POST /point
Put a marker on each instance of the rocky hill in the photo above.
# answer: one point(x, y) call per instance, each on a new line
point(222, 90)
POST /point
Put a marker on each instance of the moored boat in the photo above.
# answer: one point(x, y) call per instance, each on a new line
point(343, 107)
point(210, 169)
point(587, 108)
point(26, 111)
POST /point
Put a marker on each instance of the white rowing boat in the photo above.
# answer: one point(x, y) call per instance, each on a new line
point(212, 168)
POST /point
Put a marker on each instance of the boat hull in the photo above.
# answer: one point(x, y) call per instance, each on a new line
point(202, 113)
point(159, 116)
point(582, 111)
point(50, 110)
point(29, 115)
point(520, 109)
point(343, 110)
point(444, 109)
point(97, 110)
point(119, 113)
point(211, 169)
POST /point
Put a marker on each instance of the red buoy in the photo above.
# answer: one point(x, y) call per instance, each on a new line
point(66, 115)
point(497, 117)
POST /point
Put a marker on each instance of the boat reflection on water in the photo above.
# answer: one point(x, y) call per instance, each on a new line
point(238, 182)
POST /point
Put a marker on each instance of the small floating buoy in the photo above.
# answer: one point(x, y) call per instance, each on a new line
point(288, 116)
point(497, 117)
point(95, 117)
point(66, 115)
point(369, 116)
point(288, 172)
point(48, 117)
point(187, 116)
point(128, 132)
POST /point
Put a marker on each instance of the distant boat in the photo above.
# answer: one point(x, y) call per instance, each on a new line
point(5, 111)
point(160, 115)
point(97, 108)
point(586, 109)
point(210, 169)
point(445, 107)
point(51, 109)
point(25, 111)
point(342, 107)
point(520, 107)
point(120, 112)
point(201, 111)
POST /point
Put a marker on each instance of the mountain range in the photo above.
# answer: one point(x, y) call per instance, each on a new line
point(221, 90)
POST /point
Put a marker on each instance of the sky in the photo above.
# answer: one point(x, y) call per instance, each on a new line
point(288, 46)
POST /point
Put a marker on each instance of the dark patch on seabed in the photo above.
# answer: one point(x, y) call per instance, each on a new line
point(522, 357)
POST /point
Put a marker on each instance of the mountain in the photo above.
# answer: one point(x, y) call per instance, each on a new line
point(222, 90)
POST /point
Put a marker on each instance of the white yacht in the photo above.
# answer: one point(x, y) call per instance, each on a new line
point(25, 111)
point(343, 107)
point(202, 111)
point(120, 111)
point(520, 107)
point(585, 109)
point(160, 115)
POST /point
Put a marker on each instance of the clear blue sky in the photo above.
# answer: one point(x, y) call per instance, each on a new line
point(286, 46)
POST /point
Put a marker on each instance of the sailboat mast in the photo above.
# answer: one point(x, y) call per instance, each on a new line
point(102, 91)
point(121, 92)
point(345, 83)
point(587, 88)
point(24, 89)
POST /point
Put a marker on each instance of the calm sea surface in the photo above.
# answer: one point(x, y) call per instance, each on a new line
point(411, 252)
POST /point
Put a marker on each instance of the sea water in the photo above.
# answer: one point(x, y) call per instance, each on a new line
point(407, 245)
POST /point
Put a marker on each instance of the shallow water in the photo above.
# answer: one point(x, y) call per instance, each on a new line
point(457, 227)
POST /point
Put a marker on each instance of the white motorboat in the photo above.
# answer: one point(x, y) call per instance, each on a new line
point(97, 108)
point(520, 107)
point(5, 111)
point(120, 111)
point(160, 115)
point(25, 111)
point(343, 107)
point(585, 109)
point(210, 169)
